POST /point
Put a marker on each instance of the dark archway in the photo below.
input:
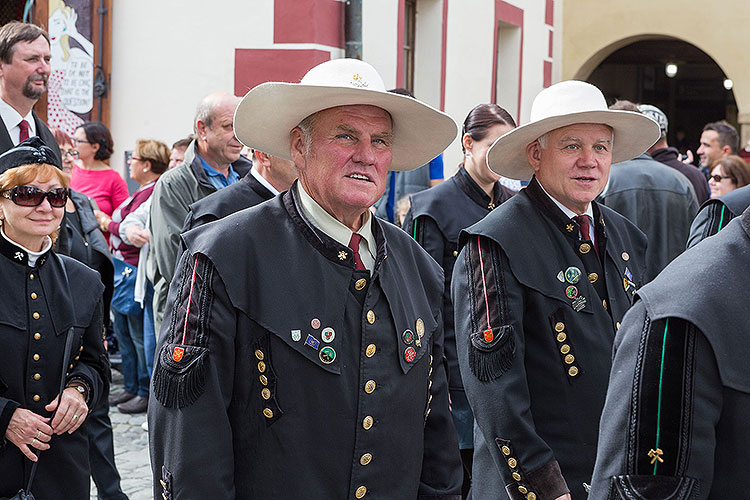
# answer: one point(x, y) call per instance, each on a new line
point(692, 98)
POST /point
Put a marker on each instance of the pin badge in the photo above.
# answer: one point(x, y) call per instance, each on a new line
point(312, 342)
point(420, 327)
point(296, 335)
point(625, 256)
point(571, 292)
point(561, 277)
point(489, 336)
point(327, 355)
point(572, 275)
point(328, 335)
point(315, 323)
point(410, 354)
point(628, 274)
point(177, 354)
point(418, 342)
point(342, 255)
point(579, 303)
point(625, 284)
point(407, 337)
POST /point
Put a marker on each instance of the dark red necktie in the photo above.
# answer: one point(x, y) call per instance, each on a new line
point(354, 245)
point(585, 226)
point(24, 133)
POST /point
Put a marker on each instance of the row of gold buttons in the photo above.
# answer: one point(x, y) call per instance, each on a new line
point(568, 357)
point(516, 474)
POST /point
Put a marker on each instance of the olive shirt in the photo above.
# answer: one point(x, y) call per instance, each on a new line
point(536, 313)
point(288, 374)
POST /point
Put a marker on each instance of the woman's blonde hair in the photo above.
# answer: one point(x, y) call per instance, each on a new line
point(26, 174)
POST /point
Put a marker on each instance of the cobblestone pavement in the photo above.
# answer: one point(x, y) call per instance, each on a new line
point(131, 451)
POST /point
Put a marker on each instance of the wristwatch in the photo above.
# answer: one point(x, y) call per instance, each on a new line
point(80, 387)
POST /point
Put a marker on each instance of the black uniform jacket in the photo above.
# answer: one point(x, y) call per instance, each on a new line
point(39, 307)
point(435, 219)
point(675, 422)
point(715, 214)
point(247, 192)
point(536, 313)
point(287, 374)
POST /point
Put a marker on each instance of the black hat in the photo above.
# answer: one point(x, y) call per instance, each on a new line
point(30, 151)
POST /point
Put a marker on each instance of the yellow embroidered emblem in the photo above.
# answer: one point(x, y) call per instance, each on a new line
point(656, 455)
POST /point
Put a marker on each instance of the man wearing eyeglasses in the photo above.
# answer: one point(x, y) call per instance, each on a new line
point(24, 69)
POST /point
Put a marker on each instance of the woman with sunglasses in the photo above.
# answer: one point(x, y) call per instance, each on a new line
point(92, 175)
point(727, 174)
point(46, 298)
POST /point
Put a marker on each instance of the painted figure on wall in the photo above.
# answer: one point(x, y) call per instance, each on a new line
point(71, 81)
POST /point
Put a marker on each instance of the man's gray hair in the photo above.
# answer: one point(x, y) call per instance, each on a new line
point(204, 113)
point(307, 126)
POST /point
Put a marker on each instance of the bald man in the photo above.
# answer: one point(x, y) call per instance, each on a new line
point(212, 162)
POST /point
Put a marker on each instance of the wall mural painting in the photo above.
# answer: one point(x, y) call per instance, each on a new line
point(70, 97)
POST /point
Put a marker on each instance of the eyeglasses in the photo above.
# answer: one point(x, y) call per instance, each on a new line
point(72, 153)
point(30, 196)
point(79, 141)
point(135, 158)
point(718, 178)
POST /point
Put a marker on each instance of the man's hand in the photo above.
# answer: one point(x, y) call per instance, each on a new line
point(72, 412)
point(689, 159)
point(27, 429)
point(137, 235)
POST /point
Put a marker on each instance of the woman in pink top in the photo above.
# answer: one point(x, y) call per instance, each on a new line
point(93, 176)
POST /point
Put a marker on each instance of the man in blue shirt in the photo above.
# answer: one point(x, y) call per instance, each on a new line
point(212, 162)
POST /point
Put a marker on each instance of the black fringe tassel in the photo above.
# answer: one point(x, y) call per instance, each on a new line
point(178, 387)
point(490, 365)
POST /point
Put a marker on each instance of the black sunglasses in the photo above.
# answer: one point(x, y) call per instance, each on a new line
point(30, 196)
point(719, 178)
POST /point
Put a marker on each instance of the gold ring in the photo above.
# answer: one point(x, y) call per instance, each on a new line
point(38, 435)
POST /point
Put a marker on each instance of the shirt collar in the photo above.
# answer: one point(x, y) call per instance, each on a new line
point(215, 177)
point(568, 212)
point(332, 227)
point(12, 118)
point(263, 181)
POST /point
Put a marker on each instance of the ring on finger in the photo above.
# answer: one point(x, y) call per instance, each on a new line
point(38, 435)
point(75, 417)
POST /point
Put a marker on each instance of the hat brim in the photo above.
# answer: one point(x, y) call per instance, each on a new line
point(268, 113)
point(634, 133)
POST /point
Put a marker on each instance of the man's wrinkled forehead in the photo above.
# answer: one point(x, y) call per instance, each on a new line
point(600, 131)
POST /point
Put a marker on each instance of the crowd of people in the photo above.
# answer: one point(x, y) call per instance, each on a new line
point(323, 316)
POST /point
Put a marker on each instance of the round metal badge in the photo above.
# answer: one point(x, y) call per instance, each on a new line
point(328, 334)
point(572, 275)
point(410, 354)
point(327, 355)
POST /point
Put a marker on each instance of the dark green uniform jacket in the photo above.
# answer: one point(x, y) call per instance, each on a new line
point(675, 424)
point(247, 192)
point(287, 374)
point(536, 313)
point(435, 219)
point(39, 307)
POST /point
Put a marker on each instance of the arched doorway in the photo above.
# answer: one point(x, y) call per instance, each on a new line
point(691, 97)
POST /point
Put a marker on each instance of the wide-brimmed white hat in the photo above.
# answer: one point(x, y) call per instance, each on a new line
point(271, 110)
point(568, 103)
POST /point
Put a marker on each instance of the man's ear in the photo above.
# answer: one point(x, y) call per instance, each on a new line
point(726, 150)
point(200, 128)
point(262, 158)
point(534, 155)
point(297, 146)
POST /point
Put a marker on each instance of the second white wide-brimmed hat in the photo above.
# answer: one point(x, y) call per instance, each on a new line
point(567, 103)
point(267, 113)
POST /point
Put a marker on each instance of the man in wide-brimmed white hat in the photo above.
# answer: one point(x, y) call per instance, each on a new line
point(303, 353)
point(539, 289)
